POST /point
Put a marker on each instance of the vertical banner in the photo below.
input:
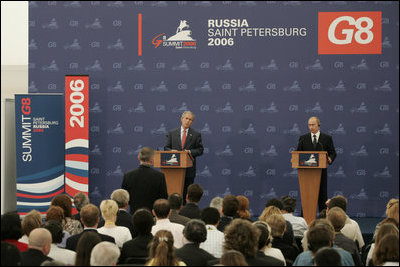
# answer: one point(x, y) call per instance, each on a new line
point(76, 134)
point(39, 129)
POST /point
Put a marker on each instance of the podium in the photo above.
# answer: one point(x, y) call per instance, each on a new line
point(173, 165)
point(309, 165)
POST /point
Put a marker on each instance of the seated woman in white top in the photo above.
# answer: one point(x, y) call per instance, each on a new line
point(109, 210)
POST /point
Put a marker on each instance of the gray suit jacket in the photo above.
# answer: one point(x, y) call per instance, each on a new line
point(176, 218)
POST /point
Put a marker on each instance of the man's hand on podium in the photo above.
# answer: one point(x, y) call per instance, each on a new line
point(174, 150)
point(329, 160)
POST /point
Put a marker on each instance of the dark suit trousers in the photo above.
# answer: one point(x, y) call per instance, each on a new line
point(323, 190)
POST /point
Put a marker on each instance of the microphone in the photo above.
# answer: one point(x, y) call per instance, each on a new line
point(322, 147)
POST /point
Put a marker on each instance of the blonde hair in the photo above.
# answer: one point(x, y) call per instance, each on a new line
point(271, 210)
point(109, 209)
point(161, 250)
point(277, 224)
point(392, 209)
point(31, 221)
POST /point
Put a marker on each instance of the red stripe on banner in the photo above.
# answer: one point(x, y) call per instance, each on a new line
point(139, 34)
point(76, 178)
point(77, 157)
point(42, 196)
point(24, 213)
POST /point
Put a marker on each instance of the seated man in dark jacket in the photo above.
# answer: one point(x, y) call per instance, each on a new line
point(39, 247)
point(230, 206)
point(191, 210)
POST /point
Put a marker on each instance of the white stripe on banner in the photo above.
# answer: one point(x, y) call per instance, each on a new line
point(43, 187)
point(19, 203)
point(77, 186)
point(77, 165)
point(77, 143)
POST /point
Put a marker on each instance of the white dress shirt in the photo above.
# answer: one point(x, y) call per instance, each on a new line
point(317, 136)
point(61, 254)
point(275, 253)
point(214, 242)
point(121, 234)
point(298, 223)
point(175, 228)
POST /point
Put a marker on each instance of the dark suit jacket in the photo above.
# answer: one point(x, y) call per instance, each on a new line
point(145, 185)
point(325, 143)
point(224, 222)
point(263, 260)
point(349, 245)
point(191, 211)
point(72, 241)
point(33, 257)
point(175, 217)
point(289, 251)
point(193, 143)
point(192, 255)
point(137, 248)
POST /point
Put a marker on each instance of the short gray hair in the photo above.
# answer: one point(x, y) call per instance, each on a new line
point(146, 154)
point(121, 196)
point(186, 112)
point(216, 202)
point(80, 200)
point(104, 254)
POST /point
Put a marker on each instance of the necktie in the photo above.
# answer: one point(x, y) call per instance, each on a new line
point(315, 141)
point(183, 138)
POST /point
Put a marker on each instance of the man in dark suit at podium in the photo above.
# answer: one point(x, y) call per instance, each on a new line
point(186, 139)
point(317, 141)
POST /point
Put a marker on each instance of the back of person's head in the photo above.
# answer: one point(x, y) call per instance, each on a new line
point(230, 205)
point(80, 200)
point(243, 210)
point(320, 234)
point(390, 220)
point(194, 193)
point(274, 202)
point(242, 235)
point(104, 254)
point(268, 211)
point(143, 221)
point(233, 258)
point(337, 218)
point(90, 215)
point(338, 201)
point(10, 255)
point(109, 209)
point(392, 209)
point(161, 249)
point(55, 229)
point(175, 201)
point(210, 216)
point(289, 204)
point(161, 208)
point(146, 154)
point(121, 197)
point(63, 201)
point(327, 256)
point(11, 226)
point(195, 231)
point(86, 243)
point(265, 238)
point(52, 263)
point(40, 238)
point(386, 229)
point(277, 223)
point(55, 213)
point(322, 214)
point(386, 250)
point(31, 221)
point(216, 202)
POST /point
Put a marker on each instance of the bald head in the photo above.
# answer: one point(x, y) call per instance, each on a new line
point(40, 238)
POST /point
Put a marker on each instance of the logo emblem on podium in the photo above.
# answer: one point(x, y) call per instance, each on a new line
point(308, 160)
point(170, 160)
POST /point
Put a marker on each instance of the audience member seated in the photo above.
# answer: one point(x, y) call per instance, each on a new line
point(321, 234)
point(56, 213)
point(69, 224)
point(215, 238)
point(39, 247)
point(11, 230)
point(86, 243)
point(327, 257)
point(191, 210)
point(161, 211)
point(278, 228)
point(90, 219)
point(60, 254)
point(175, 203)
point(230, 206)
point(109, 210)
point(243, 210)
point(298, 223)
point(392, 211)
point(351, 229)
point(104, 254)
point(269, 250)
point(383, 230)
point(263, 242)
point(386, 252)
point(337, 217)
point(195, 232)
point(288, 237)
point(161, 250)
point(124, 218)
point(137, 248)
point(233, 258)
point(31, 221)
point(216, 202)
point(80, 200)
point(10, 255)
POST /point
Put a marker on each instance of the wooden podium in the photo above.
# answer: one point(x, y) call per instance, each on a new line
point(173, 165)
point(309, 165)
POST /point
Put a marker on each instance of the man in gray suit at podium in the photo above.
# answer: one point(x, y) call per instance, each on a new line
point(186, 139)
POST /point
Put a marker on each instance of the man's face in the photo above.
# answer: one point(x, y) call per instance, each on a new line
point(187, 120)
point(313, 125)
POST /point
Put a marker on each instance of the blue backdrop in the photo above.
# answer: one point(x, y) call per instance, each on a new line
point(252, 95)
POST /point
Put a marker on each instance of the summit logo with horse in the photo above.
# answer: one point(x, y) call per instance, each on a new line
point(182, 39)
